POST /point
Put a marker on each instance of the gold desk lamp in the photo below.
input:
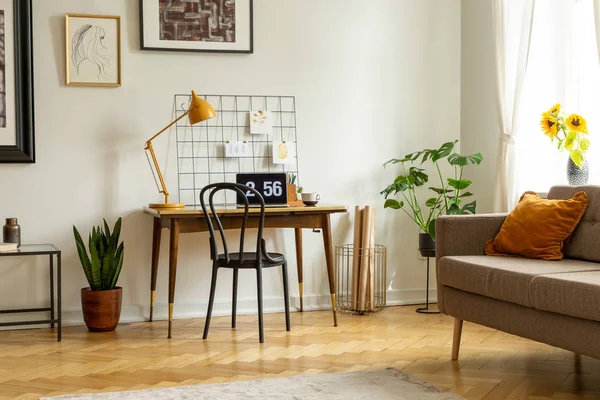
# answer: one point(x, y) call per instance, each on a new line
point(200, 110)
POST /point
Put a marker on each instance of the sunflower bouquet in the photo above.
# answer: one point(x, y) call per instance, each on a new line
point(569, 132)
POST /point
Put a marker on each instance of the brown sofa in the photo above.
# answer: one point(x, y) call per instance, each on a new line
point(555, 302)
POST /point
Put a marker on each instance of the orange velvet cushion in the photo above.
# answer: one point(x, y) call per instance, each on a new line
point(538, 228)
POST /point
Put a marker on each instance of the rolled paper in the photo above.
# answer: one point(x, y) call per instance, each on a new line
point(356, 255)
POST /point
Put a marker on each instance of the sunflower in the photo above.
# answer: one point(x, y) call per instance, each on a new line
point(554, 110)
point(576, 123)
point(549, 125)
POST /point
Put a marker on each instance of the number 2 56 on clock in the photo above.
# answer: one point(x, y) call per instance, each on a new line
point(271, 186)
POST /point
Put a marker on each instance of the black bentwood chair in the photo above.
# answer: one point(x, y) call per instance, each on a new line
point(241, 260)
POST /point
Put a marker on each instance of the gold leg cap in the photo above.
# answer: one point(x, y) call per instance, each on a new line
point(152, 293)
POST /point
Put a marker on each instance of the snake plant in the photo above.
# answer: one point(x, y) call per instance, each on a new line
point(103, 266)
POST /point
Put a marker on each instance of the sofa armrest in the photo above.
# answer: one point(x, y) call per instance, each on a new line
point(463, 235)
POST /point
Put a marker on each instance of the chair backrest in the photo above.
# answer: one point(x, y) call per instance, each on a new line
point(211, 217)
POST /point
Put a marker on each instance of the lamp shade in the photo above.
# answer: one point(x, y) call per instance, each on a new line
point(200, 110)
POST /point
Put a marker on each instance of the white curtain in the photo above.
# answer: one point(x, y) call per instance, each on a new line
point(562, 68)
point(512, 34)
point(597, 23)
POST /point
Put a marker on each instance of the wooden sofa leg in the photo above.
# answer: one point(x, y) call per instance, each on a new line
point(458, 324)
point(577, 363)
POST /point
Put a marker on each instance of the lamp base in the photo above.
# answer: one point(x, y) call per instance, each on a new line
point(166, 205)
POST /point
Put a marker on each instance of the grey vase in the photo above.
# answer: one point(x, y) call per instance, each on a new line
point(577, 176)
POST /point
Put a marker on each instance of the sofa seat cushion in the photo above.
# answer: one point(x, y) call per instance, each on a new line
point(572, 293)
point(503, 278)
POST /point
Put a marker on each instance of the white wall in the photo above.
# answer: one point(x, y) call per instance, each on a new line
point(373, 80)
point(479, 117)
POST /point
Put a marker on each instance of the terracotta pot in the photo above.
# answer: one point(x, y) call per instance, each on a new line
point(101, 308)
point(426, 245)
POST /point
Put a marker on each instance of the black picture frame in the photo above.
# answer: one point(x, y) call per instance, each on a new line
point(249, 51)
point(23, 151)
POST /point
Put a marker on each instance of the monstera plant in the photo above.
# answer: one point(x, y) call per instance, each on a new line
point(448, 195)
point(101, 301)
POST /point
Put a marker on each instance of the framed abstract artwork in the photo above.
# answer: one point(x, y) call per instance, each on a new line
point(223, 26)
point(93, 50)
point(16, 83)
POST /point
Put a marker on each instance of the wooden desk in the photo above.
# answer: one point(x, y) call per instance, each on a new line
point(191, 219)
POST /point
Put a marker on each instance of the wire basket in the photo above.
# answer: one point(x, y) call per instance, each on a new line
point(360, 277)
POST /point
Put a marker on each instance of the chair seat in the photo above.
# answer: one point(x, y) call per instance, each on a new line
point(250, 260)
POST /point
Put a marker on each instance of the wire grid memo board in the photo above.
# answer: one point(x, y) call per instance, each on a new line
point(201, 148)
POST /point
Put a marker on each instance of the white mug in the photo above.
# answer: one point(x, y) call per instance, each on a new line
point(311, 198)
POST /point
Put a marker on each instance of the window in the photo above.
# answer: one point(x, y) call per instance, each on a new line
point(563, 68)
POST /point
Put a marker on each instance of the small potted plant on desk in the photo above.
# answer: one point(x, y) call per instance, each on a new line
point(101, 301)
point(447, 198)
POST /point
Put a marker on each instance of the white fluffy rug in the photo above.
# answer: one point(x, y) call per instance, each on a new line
point(372, 385)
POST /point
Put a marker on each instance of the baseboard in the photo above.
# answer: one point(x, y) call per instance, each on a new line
point(272, 304)
point(408, 297)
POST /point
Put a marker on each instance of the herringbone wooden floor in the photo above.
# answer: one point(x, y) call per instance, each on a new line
point(493, 365)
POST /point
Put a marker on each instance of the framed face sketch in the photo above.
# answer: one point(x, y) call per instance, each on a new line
point(223, 26)
point(16, 83)
point(93, 56)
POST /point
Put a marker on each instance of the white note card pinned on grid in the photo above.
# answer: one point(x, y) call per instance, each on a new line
point(261, 122)
point(283, 153)
point(237, 149)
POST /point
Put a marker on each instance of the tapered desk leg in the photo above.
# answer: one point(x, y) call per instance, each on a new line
point(299, 264)
point(329, 259)
point(173, 247)
point(156, 230)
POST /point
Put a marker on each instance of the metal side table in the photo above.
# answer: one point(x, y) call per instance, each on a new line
point(40, 250)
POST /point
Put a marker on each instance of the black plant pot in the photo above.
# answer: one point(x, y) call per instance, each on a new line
point(426, 245)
